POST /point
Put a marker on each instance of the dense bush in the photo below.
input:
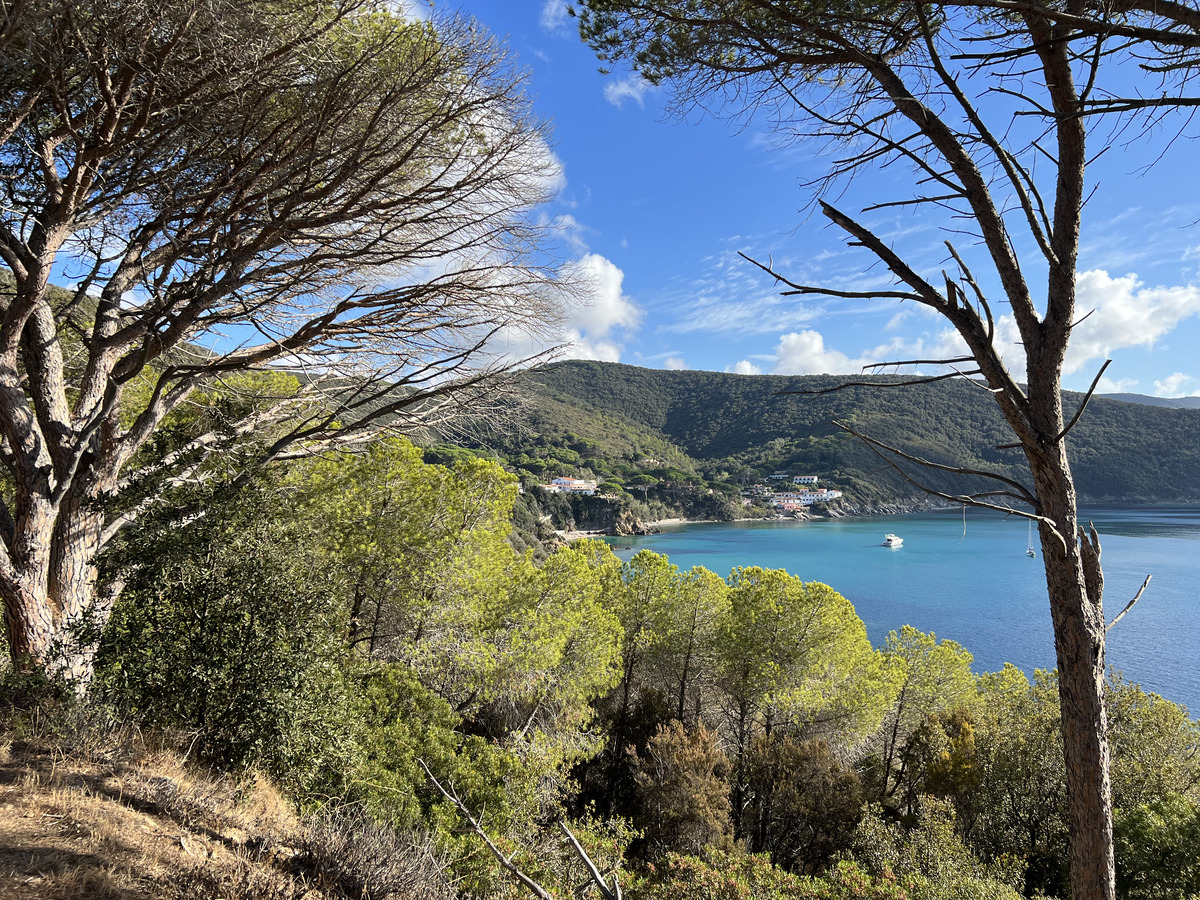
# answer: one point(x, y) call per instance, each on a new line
point(740, 876)
point(226, 632)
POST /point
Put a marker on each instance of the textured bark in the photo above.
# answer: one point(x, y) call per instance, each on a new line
point(1079, 637)
point(53, 610)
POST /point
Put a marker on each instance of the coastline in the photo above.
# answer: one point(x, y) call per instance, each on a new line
point(848, 511)
point(655, 526)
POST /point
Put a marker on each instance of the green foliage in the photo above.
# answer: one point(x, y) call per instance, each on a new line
point(931, 861)
point(402, 536)
point(337, 624)
point(932, 679)
point(1155, 746)
point(224, 630)
point(683, 649)
point(483, 663)
point(804, 806)
point(734, 424)
point(737, 876)
point(1157, 846)
point(796, 654)
point(1011, 802)
point(34, 705)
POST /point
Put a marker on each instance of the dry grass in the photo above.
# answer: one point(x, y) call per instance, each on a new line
point(128, 822)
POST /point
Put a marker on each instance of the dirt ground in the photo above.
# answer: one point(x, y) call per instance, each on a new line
point(132, 823)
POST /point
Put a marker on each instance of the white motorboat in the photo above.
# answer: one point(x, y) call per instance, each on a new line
point(892, 540)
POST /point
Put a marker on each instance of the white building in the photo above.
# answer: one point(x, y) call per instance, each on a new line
point(804, 498)
point(570, 486)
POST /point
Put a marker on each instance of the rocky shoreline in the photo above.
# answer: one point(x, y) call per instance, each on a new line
point(634, 527)
point(627, 525)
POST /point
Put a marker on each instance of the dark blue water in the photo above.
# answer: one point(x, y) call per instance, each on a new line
point(976, 585)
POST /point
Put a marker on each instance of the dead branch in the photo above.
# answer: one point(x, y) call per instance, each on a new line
point(827, 292)
point(1129, 605)
point(505, 861)
point(613, 893)
point(950, 361)
point(880, 384)
point(1019, 491)
point(1087, 399)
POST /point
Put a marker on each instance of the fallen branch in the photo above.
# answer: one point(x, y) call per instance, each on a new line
point(612, 892)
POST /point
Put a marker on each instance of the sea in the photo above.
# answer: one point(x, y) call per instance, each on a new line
point(965, 576)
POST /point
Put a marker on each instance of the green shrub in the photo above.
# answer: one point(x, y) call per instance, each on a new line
point(227, 631)
point(1158, 849)
point(733, 876)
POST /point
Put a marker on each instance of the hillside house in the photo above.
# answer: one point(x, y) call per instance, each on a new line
point(563, 485)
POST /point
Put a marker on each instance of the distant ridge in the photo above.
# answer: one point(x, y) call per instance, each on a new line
point(732, 426)
point(1145, 400)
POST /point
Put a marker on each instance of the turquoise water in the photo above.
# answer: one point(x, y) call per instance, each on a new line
point(975, 585)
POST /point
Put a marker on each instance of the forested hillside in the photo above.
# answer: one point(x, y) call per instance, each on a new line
point(736, 427)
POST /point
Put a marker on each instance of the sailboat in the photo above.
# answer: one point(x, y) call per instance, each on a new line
point(1030, 552)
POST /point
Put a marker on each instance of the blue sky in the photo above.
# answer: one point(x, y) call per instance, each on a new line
point(653, 211)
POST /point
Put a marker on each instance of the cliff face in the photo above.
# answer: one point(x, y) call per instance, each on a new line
point(591, 513)
point(581, 512)
point(625, 515)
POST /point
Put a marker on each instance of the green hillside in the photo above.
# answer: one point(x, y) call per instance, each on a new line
point(726, 427)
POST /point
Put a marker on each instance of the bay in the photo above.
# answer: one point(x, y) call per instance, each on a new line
point(967, 578)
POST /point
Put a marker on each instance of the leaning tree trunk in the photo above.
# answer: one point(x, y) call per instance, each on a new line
point(1075, 584)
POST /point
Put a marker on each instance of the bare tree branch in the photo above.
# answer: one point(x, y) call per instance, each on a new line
point(1086, 399)
point(505, 861)
point(609, 893)
point(1018, 492)
point(1128, 606)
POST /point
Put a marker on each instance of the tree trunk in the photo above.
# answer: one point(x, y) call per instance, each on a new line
point(53, 612)
point(1075, 588)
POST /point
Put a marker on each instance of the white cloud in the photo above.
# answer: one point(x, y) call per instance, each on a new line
point(1126, 314)
point(604, 309)
point(410, 9)
point(573, 232)
point(674, 363)
point(554, 15)
point(805, 353)
point(1108, 385)
point(608, 307)
point(580, 347)
point(546, 170)
point(585, 326)
point(760, 314)
point(631, 87)
point(1112, 313)
point(744, 367)
point(1177, 385)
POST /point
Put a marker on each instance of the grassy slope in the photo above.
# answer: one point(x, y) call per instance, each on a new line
point(83, 825)
point(117, 821)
